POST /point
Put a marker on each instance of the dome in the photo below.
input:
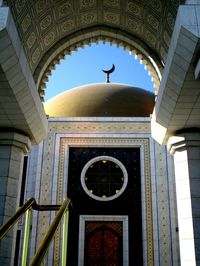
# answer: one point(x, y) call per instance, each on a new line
point(100, 100)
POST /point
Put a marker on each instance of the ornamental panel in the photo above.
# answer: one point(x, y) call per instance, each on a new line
point(65, 9)
point(85, 4)
point(26, 23)
point(135, 9)
point(146, 181)
point(133, 17)
point(49, 38)
point(41, 6)
point(67, 26)
point(31, 40)
point(45, 22)
point(112, 3)
point(153, 21)
point(111, 17)
point(88, 18)
point(104, 178)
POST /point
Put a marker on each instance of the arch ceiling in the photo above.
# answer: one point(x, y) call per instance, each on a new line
point(49, 29)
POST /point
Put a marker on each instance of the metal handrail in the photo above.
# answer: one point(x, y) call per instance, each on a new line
point(14, 219)
point(27, 208)
point(39, 256)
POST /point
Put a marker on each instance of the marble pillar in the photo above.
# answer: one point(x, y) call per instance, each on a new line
point(186, 150)
point(13, 147)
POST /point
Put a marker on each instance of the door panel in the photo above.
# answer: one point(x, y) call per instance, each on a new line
point(103, 246)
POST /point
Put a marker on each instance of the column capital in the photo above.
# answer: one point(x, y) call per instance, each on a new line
point(181, 141)
point(16, 139)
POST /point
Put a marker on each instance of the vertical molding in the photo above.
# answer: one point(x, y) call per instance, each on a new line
point(67, 141)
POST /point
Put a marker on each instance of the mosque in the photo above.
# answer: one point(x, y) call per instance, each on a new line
point(128, 160)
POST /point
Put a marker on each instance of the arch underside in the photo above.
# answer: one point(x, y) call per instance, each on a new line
point(93, 35)
point(49, 30)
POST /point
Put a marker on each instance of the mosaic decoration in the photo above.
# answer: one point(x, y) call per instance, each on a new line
point(163, 207)
point(98, 127)
point(49, 157)
point(46, 183)
point(81, 142)
point(148, 204)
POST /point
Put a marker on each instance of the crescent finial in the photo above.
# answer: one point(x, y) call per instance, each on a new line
point(108, 72)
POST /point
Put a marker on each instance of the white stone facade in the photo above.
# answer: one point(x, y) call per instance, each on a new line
point(47, 179)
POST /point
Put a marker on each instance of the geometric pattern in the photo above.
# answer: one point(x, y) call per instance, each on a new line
point(73, 141)
point(64, 142)
point(90, 226)
point(44, 26)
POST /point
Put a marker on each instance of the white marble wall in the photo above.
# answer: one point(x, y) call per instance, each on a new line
point(186, 149)
point(161, 176)
point(13, 146)
point(164, 206)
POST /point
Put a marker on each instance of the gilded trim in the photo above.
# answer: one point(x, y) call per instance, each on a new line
point(65, 143)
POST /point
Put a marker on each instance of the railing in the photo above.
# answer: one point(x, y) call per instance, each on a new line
point(40, 253)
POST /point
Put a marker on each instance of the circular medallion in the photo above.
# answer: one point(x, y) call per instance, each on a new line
point(104, 178)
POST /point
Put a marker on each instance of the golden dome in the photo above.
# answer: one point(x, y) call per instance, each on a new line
point(101, 99)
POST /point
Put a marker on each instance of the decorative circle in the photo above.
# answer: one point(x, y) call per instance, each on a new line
point(104, 178)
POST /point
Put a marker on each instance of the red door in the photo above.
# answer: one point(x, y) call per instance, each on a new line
point(103, 247)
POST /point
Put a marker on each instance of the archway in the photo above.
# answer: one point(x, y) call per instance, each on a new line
point(89, 36)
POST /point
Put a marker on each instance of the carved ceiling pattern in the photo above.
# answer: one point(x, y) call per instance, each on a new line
point(44, 25)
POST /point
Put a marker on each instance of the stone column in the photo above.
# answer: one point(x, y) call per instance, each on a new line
point(186, 150)
point(13, 147)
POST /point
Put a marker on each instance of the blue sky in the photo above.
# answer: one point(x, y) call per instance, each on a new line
point(85, 66)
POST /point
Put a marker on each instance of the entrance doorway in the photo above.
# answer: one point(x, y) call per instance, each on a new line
point(103, 240)
point(103, 244)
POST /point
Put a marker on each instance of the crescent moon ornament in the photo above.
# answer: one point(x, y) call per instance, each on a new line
point(108, 72)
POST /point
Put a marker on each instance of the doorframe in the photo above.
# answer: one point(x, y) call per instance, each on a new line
point(105, 218)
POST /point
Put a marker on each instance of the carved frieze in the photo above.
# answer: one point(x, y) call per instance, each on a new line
point(26, 22)
point(133, 25)
point(153, 21)
point(31, 40)
point(112, 18)
point(137, 15)
point(135, 9)
point(67, 26)
point(98, 127)
point(112, 3)
point(49, 38)
point(85, 4)
point(45, 22)
point(65, 9)
point(88, 18)
point(36, 55)
point(156, 5)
